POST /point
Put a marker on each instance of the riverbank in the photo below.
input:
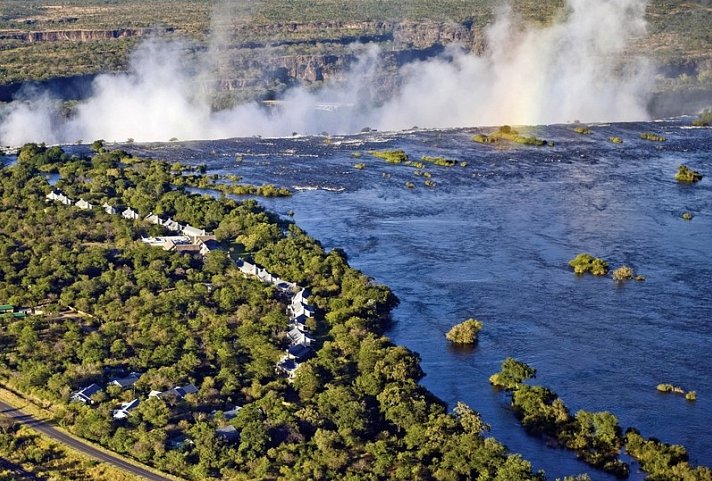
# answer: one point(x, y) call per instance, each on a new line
point(196, 342)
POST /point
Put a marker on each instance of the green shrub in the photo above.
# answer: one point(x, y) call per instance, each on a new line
point(615, 139)
point(584, 262)
point(670, 388)
point(360, 166)
point(506, 132)
point(409, 185)
point(691, 396)
point(687, 215)
point(704, 119)
point(442, 161)
point(512, 374)
point(391, 156)
point(660, 460)
point(582, 130)
point(417, 165)
point(530, 140)
point(685, 174)
point(652, 137)
point(483, 139)
point(465, 332)
point(623, 273)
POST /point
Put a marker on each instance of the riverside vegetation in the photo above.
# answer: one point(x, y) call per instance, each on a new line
point(595, 437)
point(354, 410)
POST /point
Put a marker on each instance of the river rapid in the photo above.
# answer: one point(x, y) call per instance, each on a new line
point(492, 241)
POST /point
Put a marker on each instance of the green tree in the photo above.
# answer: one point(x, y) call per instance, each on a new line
point(152, 411)
point(512, 374)
point(470, 420)
point(340, 405)
point(465, 332)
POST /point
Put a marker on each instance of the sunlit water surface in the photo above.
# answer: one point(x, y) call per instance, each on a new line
point(492, 241)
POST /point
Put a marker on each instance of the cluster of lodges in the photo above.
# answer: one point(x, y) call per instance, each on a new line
point(86, 395)
point(58, 196)
point(300, 341)
point(8, 310)
point(299, 310)
point(265, 276)
point(188, 239)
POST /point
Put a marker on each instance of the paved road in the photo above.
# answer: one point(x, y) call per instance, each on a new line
point(57, 435)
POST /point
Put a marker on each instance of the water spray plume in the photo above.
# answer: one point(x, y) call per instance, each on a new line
point(568, 71)
point(574, 69)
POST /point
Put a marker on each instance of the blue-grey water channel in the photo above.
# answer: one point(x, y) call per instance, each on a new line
point(492, 240)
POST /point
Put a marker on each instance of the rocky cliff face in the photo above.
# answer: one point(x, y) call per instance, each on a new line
point(76, 35)
point(266, 59)
point(318, 51)
point(425, 35)
point(290, 53)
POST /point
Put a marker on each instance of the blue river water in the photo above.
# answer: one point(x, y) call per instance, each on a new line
point(492, 241)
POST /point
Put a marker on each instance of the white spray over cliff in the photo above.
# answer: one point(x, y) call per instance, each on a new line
point(574, 69)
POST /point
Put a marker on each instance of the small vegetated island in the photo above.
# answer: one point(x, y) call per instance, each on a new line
point(400, 157)
point(670, 388)
point(595, 437)
point(465, 333)
point(585, 262)
point(196, 353)
point(653, 137)
point(704, 119)
point(506, 132)
point(687, 175)
point(625, 273)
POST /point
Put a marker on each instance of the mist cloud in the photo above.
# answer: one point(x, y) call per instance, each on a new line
point(571, 70)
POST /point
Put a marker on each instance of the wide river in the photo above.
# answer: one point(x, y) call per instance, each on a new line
point(492, 240)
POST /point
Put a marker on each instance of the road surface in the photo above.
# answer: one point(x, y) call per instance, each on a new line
point(66, 440)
